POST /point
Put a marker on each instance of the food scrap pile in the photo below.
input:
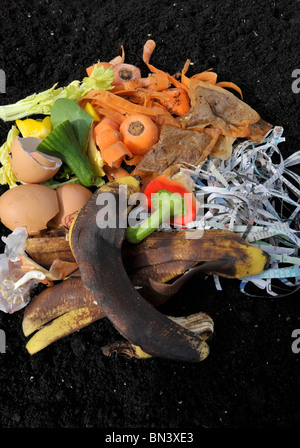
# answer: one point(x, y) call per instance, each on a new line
point(214, 202)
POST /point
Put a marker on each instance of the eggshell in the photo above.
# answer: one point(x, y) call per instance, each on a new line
point(71, 198)
point(30, 205)
point(29, 165)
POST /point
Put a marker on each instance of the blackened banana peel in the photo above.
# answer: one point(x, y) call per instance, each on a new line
point(97, 252)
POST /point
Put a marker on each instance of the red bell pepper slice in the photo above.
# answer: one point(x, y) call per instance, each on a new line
point(165, 183)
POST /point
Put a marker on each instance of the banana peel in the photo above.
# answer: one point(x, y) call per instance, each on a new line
point(53, 302)
point(158, 263)
point(199, 323)
point(63, 326)
point(97, 251)
point(155, 266)
point(49, 246)
point(57, 312)
point(68, 307)
point(222, 252)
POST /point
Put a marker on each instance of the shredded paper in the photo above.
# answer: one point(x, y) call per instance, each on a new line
point(255, 194)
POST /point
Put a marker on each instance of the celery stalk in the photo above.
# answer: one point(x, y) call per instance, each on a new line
point(41, 103)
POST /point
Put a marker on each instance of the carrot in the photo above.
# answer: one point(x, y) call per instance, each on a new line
point(106, 138)
point(140, 96)
point(124, 73)
point(134, 161)
point(139, 133)
point(112, 115)
point(135, 84)
point(115, 173)
point(90, 69)
point(175, 100)
point(206, 76)
point(230, 85)
point(118, 59)
point(106, 123)
point(184, 79)
point(156, 81)
point(114, 154)
point(147, 52)
point(101, 110)
point(148, 49)
point(159, 81)
point(108, 100)
point(211, 77)
point(132, 85)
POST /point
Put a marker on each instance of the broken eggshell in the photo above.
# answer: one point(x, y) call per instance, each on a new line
point(31, 166)
point(30, 205)
point(71, 198)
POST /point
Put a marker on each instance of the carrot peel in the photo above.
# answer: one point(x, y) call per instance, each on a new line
point(230, 85)
point(114, 154)
point(106, 138)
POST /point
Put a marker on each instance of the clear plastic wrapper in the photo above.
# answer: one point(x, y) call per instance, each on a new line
point(14, 298)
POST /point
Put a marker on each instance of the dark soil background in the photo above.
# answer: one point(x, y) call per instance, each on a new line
point(251, 378)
